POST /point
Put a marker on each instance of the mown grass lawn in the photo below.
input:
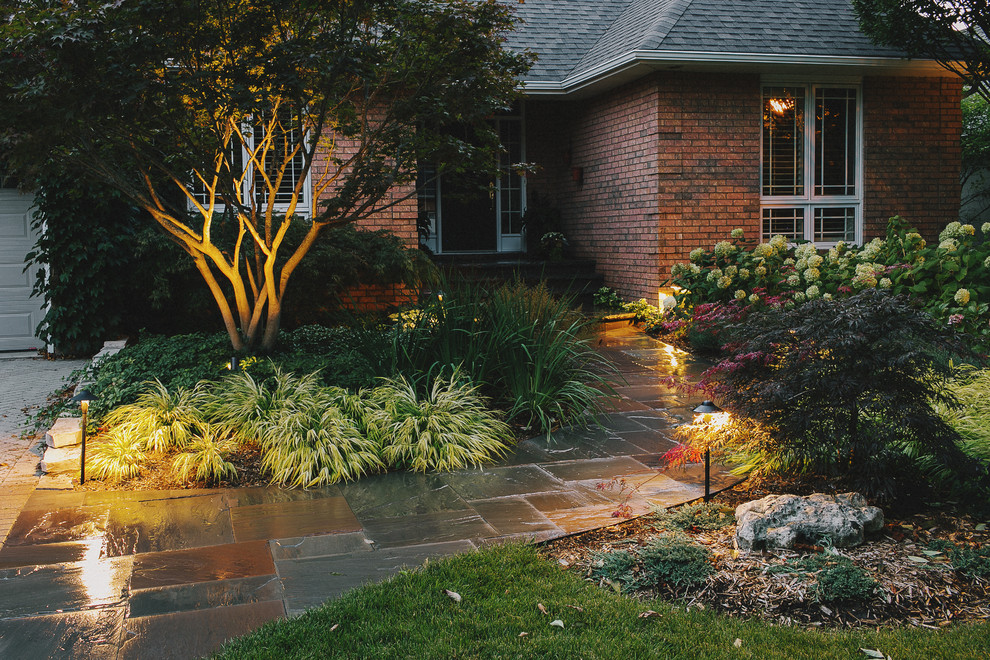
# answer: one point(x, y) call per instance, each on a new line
point(502, 589)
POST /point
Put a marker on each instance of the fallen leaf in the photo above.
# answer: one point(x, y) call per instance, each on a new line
point(873, 653)
point(982, 527)
point(737, 643)
point(334, 627)
point(541, 608)
point(557, 622)
point(824, 609)
point(523, 634)
point(918, 560)
point(647, 614)
point(454, 596)
point(575, 607)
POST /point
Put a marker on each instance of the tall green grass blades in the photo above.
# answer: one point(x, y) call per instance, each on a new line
point(449, 428)
point(159, 419)
point(520, 344)
point(548, 373)
point(312, 443)
point(205, 458)
point(119, 456)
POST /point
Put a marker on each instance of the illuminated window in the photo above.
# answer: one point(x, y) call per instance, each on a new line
point(811, 163)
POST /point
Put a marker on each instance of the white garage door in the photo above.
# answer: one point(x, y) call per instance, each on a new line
point(19, 312)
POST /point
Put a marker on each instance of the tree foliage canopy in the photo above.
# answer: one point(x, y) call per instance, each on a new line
point(952, 32)
point(225, 118)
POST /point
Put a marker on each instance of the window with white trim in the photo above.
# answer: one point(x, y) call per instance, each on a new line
point(811, 163)
point(247, 179)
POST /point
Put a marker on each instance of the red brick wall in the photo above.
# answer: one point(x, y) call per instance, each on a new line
point(709, 168)
point(399, 217)
point(377, 297)
point(911, 151)
point(611, 216)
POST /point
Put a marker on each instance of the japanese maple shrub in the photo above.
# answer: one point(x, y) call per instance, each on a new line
point(842, 388)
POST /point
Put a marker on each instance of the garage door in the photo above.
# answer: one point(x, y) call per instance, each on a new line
point(19, 312)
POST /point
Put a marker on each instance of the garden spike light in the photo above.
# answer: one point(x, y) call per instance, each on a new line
point(83, 397)
point(707, 407)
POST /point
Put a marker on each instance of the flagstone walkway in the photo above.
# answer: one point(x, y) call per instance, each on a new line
point(172, 574)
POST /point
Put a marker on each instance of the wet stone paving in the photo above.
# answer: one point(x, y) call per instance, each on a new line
point(172, 574)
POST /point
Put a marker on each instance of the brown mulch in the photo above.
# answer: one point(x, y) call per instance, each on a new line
point(156, 474)
point(915, 588)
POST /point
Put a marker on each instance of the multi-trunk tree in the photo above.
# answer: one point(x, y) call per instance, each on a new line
point(226, 119)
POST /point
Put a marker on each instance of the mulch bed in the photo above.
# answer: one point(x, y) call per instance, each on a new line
point(156, 474)
point(915, 588)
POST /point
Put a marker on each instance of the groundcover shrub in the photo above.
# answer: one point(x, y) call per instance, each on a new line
point(843, 388)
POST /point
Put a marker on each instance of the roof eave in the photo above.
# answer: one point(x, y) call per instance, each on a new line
point(634, 64)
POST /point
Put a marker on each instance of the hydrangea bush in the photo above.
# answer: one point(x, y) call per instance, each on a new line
point(951, 280)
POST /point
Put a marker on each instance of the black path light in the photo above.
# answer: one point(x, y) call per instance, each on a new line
point(83, 397)
point(707, 408)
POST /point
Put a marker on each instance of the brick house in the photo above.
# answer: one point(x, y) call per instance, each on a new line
point(657, 126)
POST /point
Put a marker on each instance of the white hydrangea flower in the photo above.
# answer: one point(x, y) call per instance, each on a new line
point(779, 242)
point(826, 296)
point(724, 282)
point(744, 273)
point(737, 233)
point(962, 296)
point(724, 249)
point(696, 255)
point(949, 245)
point(812, 275)
point(740, 294)
point(764, 250)
point(968, 230)
point(801, 263)
point(871, 249)
point(952, 230)
point(886, 283)
point(753, 298)
point(985, 228)
point(761, 271)
point(815, 261)
point(794, 279)
point(695, 269)
point(799, 297)
point(812, 292)
point(731, 270)
point(805, 251)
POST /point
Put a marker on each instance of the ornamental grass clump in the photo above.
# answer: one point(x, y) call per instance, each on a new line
point(117, 456)
point(310, 442)
point(245, 406)
point(448, 428)
point(159, 419)
point(205, 457)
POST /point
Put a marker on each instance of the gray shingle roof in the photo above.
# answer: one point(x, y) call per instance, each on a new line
point(574, 36)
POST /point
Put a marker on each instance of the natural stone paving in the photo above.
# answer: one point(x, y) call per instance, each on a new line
point(174, 573)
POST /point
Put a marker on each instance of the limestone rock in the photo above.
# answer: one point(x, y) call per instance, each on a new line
point(66, 432)
point(780, 521)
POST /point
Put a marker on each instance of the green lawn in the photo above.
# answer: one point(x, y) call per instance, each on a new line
point(502, 587)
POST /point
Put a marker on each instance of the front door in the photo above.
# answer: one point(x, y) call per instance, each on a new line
point(472, 214)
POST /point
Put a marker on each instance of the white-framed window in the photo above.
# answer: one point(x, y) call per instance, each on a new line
point(249, 180)
point(812, 163)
